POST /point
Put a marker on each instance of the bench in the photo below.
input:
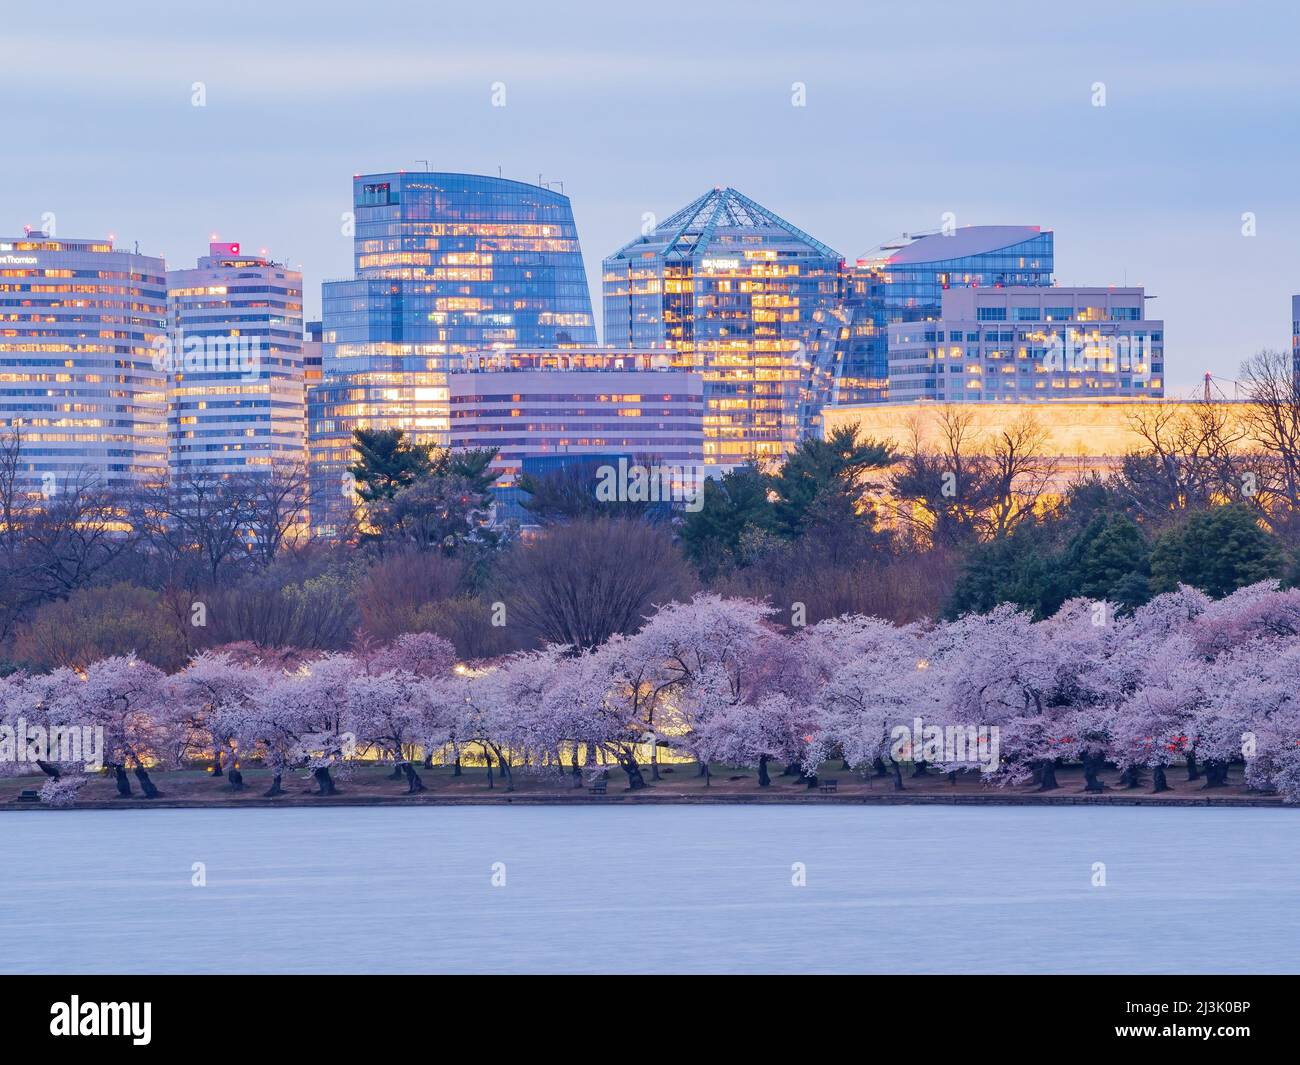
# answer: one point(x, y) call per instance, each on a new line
point(599, 787)
point(29, 796)
point(828, 785)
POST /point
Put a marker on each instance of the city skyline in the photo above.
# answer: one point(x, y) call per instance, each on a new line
point(1135, 191)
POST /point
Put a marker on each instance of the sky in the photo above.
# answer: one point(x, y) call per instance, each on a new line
point(911, 111)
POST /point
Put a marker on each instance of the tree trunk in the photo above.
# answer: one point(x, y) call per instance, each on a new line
point(898, 775)
point(146, 785)
point(488, 758)
point(324, 781)
point(1158, 779)
point(274, 789)
point(763, 779)
point(918, 769)
point(455, 750)
point(792, 769)
point(1132, 777)
point(1092, 764)
point(236, 778)
point(1047, 776)
point(627, 762)
point(1216, 774)
point(216, 762)
point(123, 782)
point(413, 781)
point(1193, 773)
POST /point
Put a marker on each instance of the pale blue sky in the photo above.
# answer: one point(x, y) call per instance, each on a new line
point(913, 109)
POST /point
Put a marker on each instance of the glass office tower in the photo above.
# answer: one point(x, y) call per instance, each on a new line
point(731, 289)
point(80, 380)
point(444, 264)
point(904, 281)
point(236, 394)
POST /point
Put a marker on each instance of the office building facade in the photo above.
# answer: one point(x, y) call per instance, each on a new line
point(236, 395)
point(1028, 343)
point(904, 281)
point(532, 404)
point(81, 384)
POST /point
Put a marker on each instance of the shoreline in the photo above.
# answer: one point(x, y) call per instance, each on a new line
point(679, 785)
point(525, 799)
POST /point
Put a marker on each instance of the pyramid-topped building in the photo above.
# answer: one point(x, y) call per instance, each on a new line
point(732, 289)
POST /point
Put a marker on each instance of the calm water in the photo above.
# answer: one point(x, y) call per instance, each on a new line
point(897, 889)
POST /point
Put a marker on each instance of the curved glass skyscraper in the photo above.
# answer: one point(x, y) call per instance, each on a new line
point(445, 264)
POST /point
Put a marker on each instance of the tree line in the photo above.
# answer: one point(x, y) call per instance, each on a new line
point(1184, 680)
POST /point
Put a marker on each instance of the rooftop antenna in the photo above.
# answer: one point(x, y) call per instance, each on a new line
point(425, 162)
point(499, 170)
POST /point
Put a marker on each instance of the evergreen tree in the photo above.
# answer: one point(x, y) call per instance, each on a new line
point(1217, 550)
point(386, 463)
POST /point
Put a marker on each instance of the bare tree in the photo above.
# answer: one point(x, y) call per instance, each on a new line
point(1187, 459)
point(1019, 472)
point(581, 583)
point(277, 509)
point(964, 486)
point(199, 522)
point(1272, 416)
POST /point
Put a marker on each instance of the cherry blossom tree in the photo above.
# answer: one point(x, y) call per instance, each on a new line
point(124, 697)
point(389, 710)
point(214, 694)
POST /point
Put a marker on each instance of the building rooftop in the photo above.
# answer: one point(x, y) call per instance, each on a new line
point(684, 232)
point(960, 244)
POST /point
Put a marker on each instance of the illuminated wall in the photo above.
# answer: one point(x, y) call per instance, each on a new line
point(444, 264)
point(1085, 436)
point(246, 413)
point(731, 290)
point(78, 324)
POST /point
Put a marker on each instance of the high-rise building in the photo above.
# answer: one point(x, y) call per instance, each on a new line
point(80, 380)
point(1029, 343)
point(731, 290)
point(445, 264)
point(236, 398)
point(904, 280)
point(311, 353)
